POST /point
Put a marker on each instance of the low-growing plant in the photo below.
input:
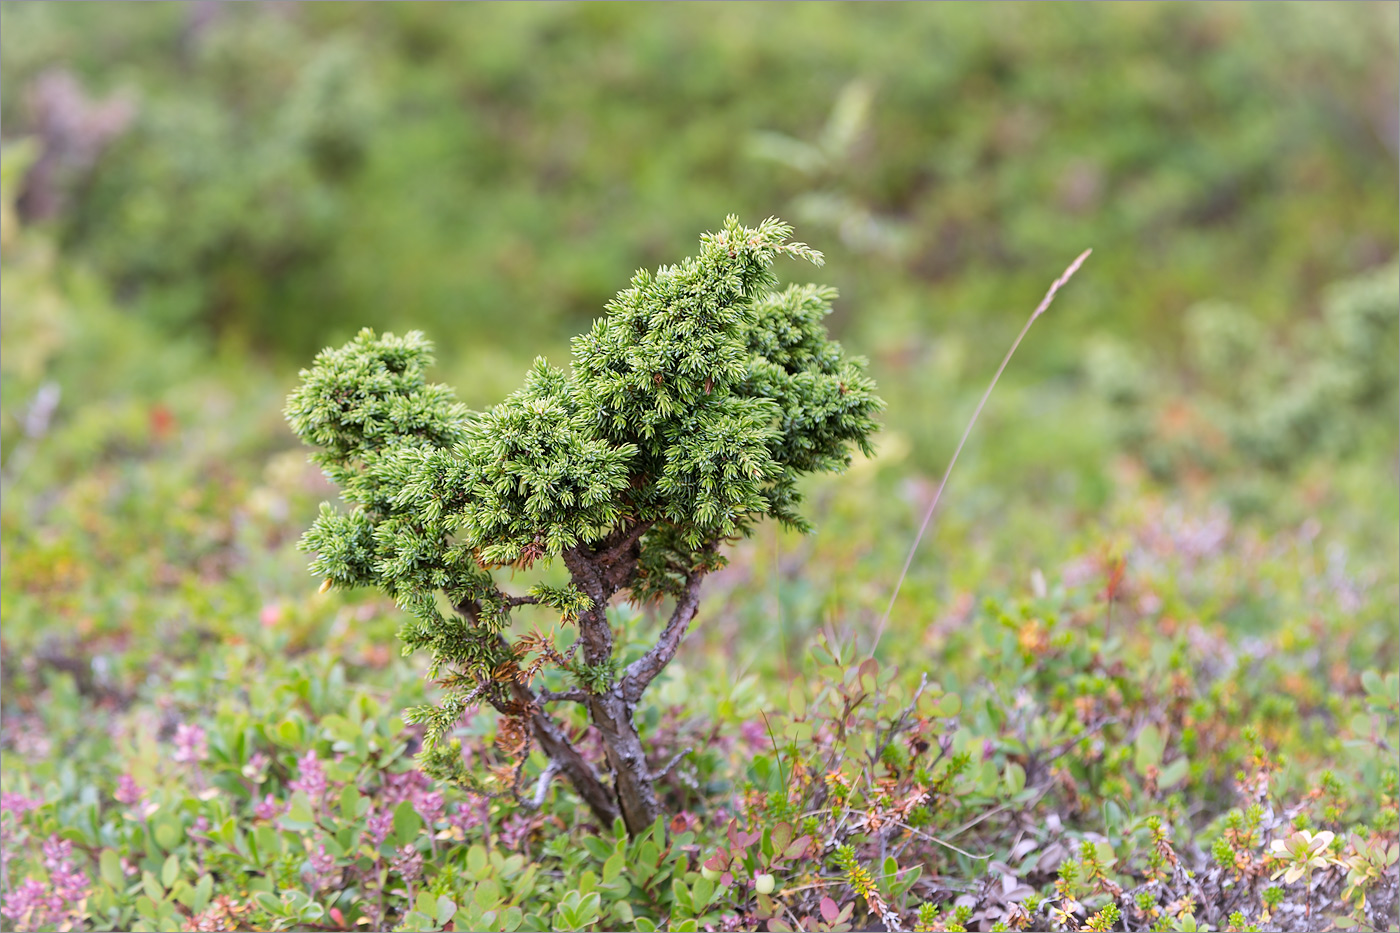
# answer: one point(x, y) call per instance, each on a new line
point(691, 410)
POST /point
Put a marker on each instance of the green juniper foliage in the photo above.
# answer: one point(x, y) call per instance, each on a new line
point(692, 408)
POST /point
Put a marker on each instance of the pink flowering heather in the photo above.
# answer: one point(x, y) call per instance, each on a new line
point(470, 814)
point(429, 806)
point(321, 870)
point(18, 804)
point(70, 885)
point(256, 768)
point(32, 907)
point(408, 863)
point(755, 733)
point(15, 806)
point(406, 786)
point(191, 744)
point(379, 824)
point(128, 791)
point(312, 778)
point(516, 830)
point(269, 809)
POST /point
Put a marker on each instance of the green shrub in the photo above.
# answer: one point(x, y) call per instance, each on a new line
point(692, 409)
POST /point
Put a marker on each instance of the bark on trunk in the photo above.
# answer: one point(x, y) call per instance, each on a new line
point(636, 795)
point(611, 714)
point(555, 744)
point(571, 763)
point(601, 574)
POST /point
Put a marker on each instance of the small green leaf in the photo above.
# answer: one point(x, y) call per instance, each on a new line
point(152, 887)
point(350, 800)
point(289, 733)
point(111, 867)
point(407, 823)
point(476, 861)
point(169, 832)
point(797, 700)
point(487, 894)
point(1174, 773)
point(1372, 682)
point(1149, 748)
point(202, 893)
point(1015, 778)
point(170, 871)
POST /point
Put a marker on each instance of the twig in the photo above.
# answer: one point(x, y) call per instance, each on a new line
point(898, 725)
point(572, 695)
point(542, 786)
point(928, 515)
point(946, 845)
point(658, 775)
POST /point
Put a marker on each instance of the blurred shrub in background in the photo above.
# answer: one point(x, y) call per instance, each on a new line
point(292, 173)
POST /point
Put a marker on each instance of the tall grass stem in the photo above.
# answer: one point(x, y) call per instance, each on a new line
point(928, 515)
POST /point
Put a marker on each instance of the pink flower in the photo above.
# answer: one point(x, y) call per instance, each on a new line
point(271, 614)
point(322, 868)
point(755, 733)
point(429, 807)
point(469, 815)
point(69, 884)
point(516, 831)
point(313, 777)
point(128, 791)
point(32, 906)
point(379, 824)
point(269, 809)
point(406, 786)
point(18, 804)
point(191, 744)
point(256, 768)
point(408, 863)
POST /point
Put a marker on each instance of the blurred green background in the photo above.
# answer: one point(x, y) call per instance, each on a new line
point(200, 196)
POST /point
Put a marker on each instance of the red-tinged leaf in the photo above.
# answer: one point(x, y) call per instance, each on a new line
point(778, 925)
point(782, 835)
point(717, 862)
point(748, 839)
point(726, 879)
point(1115, 579)
point(829, 910)
point(162, 422)
point(732, 831)
point(798, 847)
point(869, 668)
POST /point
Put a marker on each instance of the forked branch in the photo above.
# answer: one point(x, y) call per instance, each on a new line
point(643, 671)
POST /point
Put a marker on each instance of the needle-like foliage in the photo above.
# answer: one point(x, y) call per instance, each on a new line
point(691, 410)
